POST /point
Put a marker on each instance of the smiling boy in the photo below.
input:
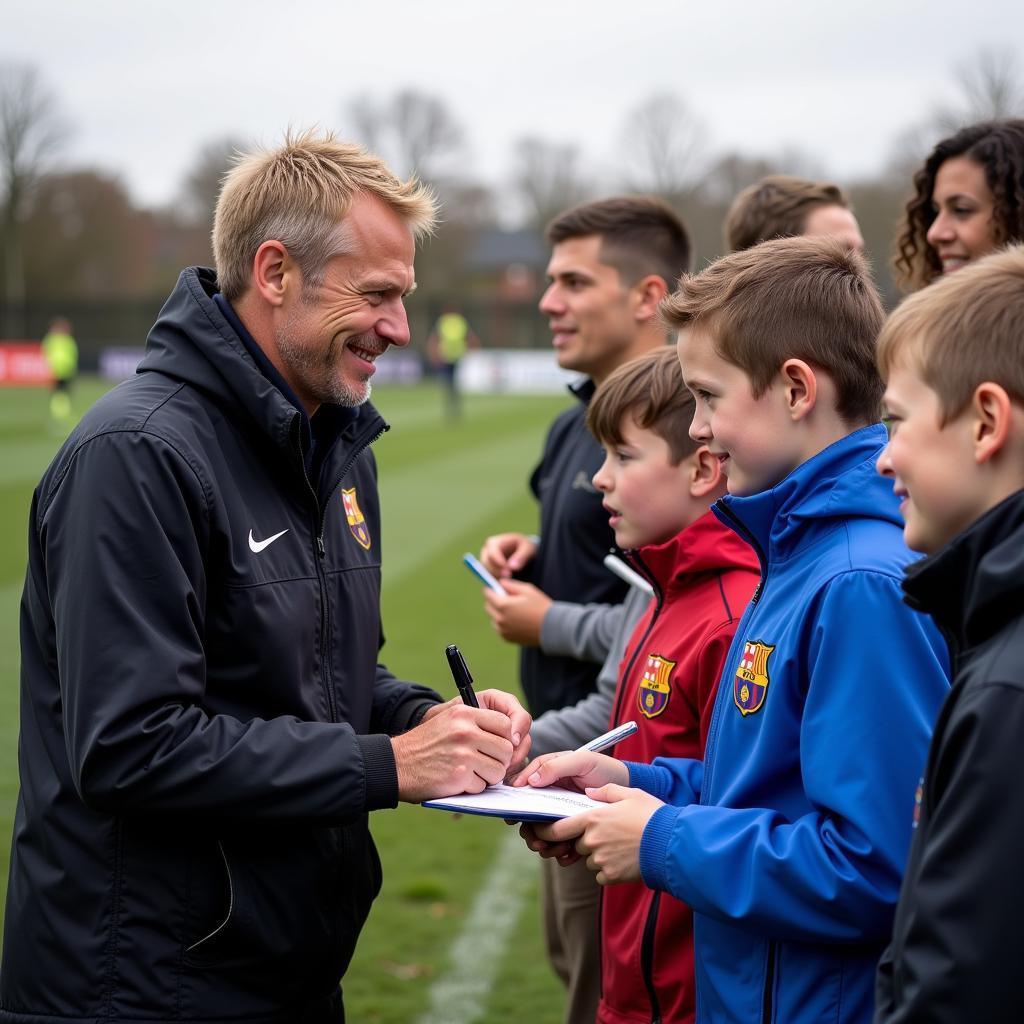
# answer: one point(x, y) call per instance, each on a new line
point(953, 359)
point(657, 485)
point(789, 839)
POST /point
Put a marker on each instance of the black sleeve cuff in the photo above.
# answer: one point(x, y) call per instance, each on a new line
point(379, 772)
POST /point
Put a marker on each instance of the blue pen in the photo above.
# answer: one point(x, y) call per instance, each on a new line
point(460, 673)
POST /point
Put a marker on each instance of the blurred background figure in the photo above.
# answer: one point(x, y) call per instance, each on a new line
point(781, 206)
point(449, 341)
point(61, 353)
point(968, 201)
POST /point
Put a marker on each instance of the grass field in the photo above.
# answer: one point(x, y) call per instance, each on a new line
point(445, 486)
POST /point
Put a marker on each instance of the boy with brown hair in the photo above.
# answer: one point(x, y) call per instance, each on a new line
point(953, 359)
point(657, 485)
point(789, 839)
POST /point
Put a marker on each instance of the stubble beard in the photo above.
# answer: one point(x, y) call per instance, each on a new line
point(318, 372)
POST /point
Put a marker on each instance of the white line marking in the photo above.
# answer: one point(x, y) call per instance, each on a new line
point(460, 995)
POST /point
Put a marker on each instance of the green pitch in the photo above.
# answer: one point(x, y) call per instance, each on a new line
point(444, 487)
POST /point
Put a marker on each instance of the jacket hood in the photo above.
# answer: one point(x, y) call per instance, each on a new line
point(839, 483)
point(975, 584)
point(706, 545)
point(191, 341)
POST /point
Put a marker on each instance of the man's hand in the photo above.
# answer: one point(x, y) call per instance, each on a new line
point(458, 749)
point(507, 553)
point(609, 837)
point(518, 616)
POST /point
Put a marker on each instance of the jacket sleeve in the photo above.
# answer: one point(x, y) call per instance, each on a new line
point(124, 532)
point(585, 632)
point(958, 954)
point(571, 727)
point(876, 676)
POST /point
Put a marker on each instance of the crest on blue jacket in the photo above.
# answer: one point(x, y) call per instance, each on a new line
point(655, 686)
point(356, 522)
point(750, 686)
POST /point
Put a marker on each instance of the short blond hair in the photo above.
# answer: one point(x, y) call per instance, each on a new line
point(963, 330)
point(808, 298)
point(298, 195)
point(777, 207)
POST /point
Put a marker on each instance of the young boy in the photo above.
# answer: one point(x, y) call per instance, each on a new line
point(953, 358)
point(657, 486)
point(790, 838)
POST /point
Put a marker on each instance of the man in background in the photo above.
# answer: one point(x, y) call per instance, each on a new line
point(61, 354)
point(781, 206)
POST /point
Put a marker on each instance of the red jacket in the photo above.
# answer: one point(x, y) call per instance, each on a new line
point(703, 579)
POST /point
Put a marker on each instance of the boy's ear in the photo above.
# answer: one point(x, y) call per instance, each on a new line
point(705, 473)
point(273, 271)
point(992, 414)
point(648, 293)
point(800, 386)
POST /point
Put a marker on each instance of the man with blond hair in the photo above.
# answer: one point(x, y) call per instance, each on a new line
point(204, 721)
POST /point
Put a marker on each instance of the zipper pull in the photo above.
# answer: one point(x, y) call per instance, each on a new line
point(320, 549)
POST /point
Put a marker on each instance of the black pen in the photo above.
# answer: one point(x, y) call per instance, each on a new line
point(460, 673)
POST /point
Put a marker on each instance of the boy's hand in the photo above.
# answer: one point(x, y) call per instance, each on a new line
point(518, 616)
point(573, 769)
point(506, 553)
point(609, 837)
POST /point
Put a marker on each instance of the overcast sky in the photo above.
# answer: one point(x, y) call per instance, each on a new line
point(145, 83)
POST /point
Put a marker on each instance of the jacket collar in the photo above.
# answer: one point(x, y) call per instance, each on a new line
point(837, 484)
point(703, 546)
point(975, 584)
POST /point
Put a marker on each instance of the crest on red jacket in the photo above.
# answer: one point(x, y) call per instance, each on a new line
point(356, 522)
point(655, 686)
point(750, 686)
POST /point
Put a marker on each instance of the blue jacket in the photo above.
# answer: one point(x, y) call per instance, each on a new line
point(789, 841)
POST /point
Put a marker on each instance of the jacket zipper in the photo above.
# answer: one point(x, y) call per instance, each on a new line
point(712, 741)
point(320, 515)
point(658, 601)
point(769, 986)
point(647, 957)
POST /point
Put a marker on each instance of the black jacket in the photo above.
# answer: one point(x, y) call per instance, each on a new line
point(203, 718)
point(956, 945)
point(575, 537)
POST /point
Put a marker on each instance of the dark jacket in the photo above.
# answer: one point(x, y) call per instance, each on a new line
point(574, 539)
point(955, 950)
point(703, 579)
point(203, 718)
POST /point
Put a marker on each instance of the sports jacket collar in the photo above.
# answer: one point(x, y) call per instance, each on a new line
point(837, 484)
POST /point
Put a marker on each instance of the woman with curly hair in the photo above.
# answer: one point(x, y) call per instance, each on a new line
point(969, 201)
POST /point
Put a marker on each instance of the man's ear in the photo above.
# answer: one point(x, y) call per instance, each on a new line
point(800, 386)
point(648, 293)
point(273, 271)
point(991, 413)
point(705, 473)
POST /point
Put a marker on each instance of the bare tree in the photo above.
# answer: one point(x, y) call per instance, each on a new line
point(664, 144)
point(202, 183)
point(30, 133)
point(415, 131)
point(546, 178)
point(991, 86)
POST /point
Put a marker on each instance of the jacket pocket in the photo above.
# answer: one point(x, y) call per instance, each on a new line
point(293, 902)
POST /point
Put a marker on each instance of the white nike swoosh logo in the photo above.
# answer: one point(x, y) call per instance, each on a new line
point(258, 545)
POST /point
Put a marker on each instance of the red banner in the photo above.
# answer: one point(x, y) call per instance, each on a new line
point(22, 364)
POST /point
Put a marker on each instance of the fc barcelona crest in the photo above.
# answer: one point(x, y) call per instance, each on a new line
point(750, 686)
point(655, 686)
point(356, 522)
